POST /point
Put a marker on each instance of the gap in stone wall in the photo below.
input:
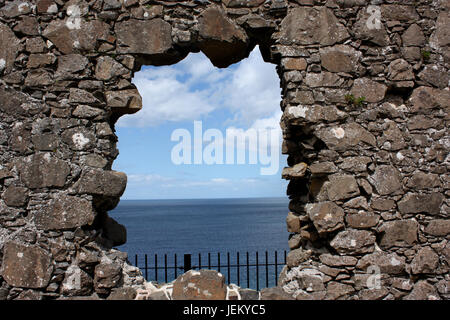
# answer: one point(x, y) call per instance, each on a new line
point(245, 96)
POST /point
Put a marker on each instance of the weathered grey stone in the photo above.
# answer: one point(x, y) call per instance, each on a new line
point(338, 261)
point(38, 78)
point(342, 187)
point(200, 285)
point(357, 203)
point(293, 222)
point(107, 276)
point(417, 203)
point(45, 141)
point(26, 266)
point(362, 220)
point(347, 136)
point(75, 34)
point(79, 96)
point(355, 164)
point(87, 112)
point(294, 63)
point(389, 263)
point(249, 294)
point(308, 25)
point(65, 212)
point(46, 7)
point(39, 60)
point(149, 37)
point(315, 113)
point(70, 65)
point(398, 233)
point(243, 3)
point(399, 12)
point(326, 216)
point(323, 79)
point(337, 290)
point(126, 293)
point(27, 26)
point(425, 261)
point(424, 99)
point(76, 282)
point(30, 295)
point(400, 70)
point(297, 171)
point(438, 228)
point(386, 180)
point(413, 36)
point(319, 168)
point(96, 161)
point(79, 138)
point(297, 256)
point(124, 101)
point(35, 45)
point(102, 182)
point(392, 138)
point(436, 75)
point(295, 240)
point(423, 291)
point(112, 4)
point(20, 138)
point(275, 293)
point(43, 170)
point(373, 294)
point(108, 68)
point(13, 9)
point(15, 196)
point(422, 180)
point(366, 28)
point(353, 241)
point(340, 58)
point(371, 90)
point(421, 122)
point(441, 36)
point(222, 41)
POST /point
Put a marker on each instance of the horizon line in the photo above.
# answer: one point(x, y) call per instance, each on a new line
point(220, 198)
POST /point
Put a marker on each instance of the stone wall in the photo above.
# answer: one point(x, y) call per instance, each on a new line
point(365, 120)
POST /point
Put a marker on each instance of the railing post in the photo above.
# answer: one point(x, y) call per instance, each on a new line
point(218, 261)
point(267, 270)
point(156, 267)
point(146, 268)
point(176, 266)
point(165, 268)
point(248, 273)
point(187, 262)
point(228, 267)
point(276, 268)
point(209, 260)
point(257, 272)
point(238, 271)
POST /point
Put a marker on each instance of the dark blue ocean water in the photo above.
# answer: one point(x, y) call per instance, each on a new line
point(169, 227)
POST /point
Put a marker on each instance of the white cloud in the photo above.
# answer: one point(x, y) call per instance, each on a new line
point(194, 88)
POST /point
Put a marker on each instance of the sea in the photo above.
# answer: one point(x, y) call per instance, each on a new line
point(207, 230)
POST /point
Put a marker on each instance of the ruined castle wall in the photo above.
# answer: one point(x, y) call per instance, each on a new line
point(365, 114)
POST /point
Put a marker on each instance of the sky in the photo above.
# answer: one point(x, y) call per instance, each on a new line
point(177, 101)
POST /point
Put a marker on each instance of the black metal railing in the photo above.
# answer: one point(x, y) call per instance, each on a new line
point(243, 270)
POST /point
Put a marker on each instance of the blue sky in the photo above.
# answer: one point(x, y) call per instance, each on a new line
point(243, 96)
